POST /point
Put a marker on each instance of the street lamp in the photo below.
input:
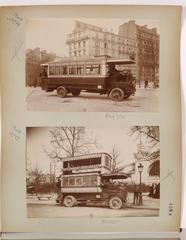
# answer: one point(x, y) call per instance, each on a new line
point(140, 169)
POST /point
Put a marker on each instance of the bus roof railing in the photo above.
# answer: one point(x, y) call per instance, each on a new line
point(121, 61)
point(85, 156)
point(93, 59)
point(115, 175)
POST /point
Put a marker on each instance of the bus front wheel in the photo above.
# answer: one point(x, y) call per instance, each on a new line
point(115, 203)
point(61, 92)
point(117, 94)
point(69, 201)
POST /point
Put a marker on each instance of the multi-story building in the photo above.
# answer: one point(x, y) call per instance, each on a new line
point(147, 50)
point(34, 57)
point(133, 40)
point(89, 40)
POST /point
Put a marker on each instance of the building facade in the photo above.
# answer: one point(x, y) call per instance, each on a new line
point(90, 40)
point(134, 41)
point(34, 57)
point(147, 56)
point(151, 169)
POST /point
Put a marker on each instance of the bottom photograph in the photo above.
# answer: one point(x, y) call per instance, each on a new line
point(92, 172)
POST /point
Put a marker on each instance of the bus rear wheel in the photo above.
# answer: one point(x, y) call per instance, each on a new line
point(76, 92)
point(115, 203)
point(69, 201)
point(117, 94)
point(61, 92)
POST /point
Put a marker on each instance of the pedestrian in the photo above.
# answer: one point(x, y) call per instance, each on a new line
point(136, 195)
point(146, 83)
point(151, 190)
point(58, 187)
point(157, 191)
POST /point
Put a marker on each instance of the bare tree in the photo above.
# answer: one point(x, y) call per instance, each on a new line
point(151, 133)
point(115, 162)
point(69, 142)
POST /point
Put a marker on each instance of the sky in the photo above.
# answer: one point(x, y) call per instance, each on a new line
point(107, 138)
point(50, 34)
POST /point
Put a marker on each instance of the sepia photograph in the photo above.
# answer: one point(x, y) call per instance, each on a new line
point(92, 65)
point(93, 172)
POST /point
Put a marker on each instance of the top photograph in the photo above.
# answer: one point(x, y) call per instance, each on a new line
point(92, 65)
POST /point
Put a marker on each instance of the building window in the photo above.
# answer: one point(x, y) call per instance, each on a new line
point(105, 45)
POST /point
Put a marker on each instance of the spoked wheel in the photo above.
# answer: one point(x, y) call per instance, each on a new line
point(127, 95)
point(69, 201)
point(76, 92)
point(115, 203)
point(61, 92)
point(117, 94)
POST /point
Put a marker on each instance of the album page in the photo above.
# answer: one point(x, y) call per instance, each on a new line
point(91, 118)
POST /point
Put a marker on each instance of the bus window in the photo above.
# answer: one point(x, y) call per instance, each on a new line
point(65, 181)
point(107, 161)
point(79, 181)
point(85, 180)
point(72, 70)
point(57, 70)
point(92, 69)
point(80, 70)
point(93, 180)
point(71, 181)
point(52, 70)
point(64, 70)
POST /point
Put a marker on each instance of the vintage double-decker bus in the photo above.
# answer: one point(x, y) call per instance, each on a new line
point(101, 75)
point(87, 179)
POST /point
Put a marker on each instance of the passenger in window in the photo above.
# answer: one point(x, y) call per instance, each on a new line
point(113, 72)
point(43, 73)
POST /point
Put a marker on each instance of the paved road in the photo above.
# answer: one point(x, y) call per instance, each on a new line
point(48, 208)
point(144, 100)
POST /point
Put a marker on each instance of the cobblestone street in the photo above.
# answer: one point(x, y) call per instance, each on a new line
point(144, 100)
point(45, 208)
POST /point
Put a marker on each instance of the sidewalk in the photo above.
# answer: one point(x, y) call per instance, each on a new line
point(148, 203)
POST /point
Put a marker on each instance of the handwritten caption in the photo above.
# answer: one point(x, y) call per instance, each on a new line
point(15, 133)
point(171, 208)
point(109, 221)
point(115, 116)
point(15, 19)
point(16, 52)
